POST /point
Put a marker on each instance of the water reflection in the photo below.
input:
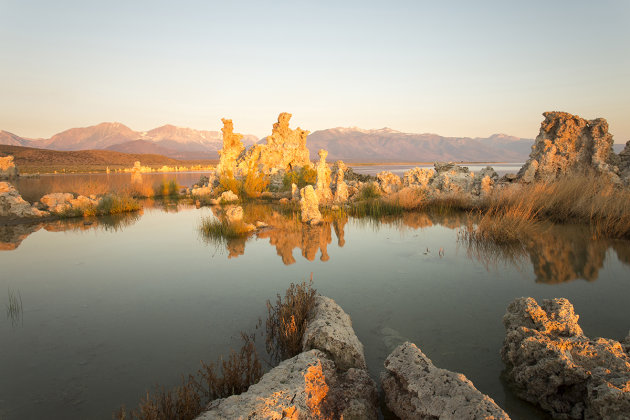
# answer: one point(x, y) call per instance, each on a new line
point(11, 236)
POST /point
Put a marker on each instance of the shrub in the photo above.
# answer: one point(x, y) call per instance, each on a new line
point(255, 183)
point(301, 177)
point(286, 321)
point(167, 189)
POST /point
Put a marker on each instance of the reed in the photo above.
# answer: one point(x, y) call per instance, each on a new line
point(286, 320)
point(218, 231)
point(15, 309)
point(166, 188)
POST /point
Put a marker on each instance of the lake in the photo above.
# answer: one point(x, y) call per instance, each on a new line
point(113, 306)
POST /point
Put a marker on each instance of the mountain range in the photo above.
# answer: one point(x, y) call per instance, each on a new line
point(350, 144)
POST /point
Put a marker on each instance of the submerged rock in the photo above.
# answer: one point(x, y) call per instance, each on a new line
point(416, 389)
point(309, 206)
point(228, 197)
point(553, 364)
point(13, 205)
point(8, 170)
point(570, 144)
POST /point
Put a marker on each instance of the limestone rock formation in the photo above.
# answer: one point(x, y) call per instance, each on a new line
point(484, 181)
point(416, 389)
point(309, 206)
point(388, 182)
point(418, 177)
point(553, 364)
point(285, 150)
point(60, 202)
point(330, 330)
point(624, 163)
point(295, 193)
point(13, 205)
point(8, 170)
point(341, 188)
point(228, 197)
point(232, 149)
point(570, 144)
point(324, 194)
point(452, 178)
point(310, 385)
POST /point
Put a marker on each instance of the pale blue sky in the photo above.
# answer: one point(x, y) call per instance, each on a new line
point(456, 68)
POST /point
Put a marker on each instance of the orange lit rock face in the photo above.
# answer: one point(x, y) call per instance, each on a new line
point(12, 205)
point(232, 148)
point(316, 390)
point(8, 170)
point(553, 364)
point(570, 144)
point(324, 194)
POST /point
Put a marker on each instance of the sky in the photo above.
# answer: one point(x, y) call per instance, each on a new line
point(455, 68)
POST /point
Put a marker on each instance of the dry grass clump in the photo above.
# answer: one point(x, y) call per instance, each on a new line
point(107, 205)
point(254, 184)
point(219, 231)
point(589, 199)
point(286, 321)
point(301, 177)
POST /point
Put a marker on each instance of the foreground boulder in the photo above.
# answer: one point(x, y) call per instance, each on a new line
point(416, 389)
point(61, 202)
point(319, 383)
point(569, 144)
point(553, 364)
point(8, 170)
point(12, 204)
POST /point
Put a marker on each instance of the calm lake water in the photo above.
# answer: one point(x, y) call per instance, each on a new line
point(113, 306)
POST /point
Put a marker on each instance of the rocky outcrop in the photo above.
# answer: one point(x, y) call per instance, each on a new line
point(12, 204)
point(484, 181)
point(416, 389)
point(285, 150)
point(324, 194)
point(342, 193)
point(309, 206)
point(8, 170)
point(61, 202)
point(388, 182)
point(624, 163)
point(232, 149)
point(418, 177)
point(450, 178)
point(553, 364)
point(315, 384)
point(569, 144)
point(330, 330)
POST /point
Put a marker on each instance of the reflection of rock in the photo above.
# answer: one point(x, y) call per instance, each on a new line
point(319, 383)
point(232, 148)
point(324, 194)
point(569, 144)
point(416, 389)
point(13, 205)
point(622, 249)
point(565, 253)
point(315, 238)
point(388, 182)
point(8, 170)
point(11, 236)
point(553, 364)
point(234, 214)
point(309, 206)
point(338, 224)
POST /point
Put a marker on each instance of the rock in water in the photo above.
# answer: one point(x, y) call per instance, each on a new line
point(324, 194)
point(416, 389)
point(309, 206)
point(570, 144)
point(232, 149)
point(330, 330)
point(228, 197)
point(8, 170)
point(553, 364)
point(13, 205)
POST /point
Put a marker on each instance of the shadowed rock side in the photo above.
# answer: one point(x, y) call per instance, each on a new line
point(416, 389)
point(569, 144)
point(553, 364)
point(326, 383)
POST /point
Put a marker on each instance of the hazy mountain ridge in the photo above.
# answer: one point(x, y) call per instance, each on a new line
point(347, 143)
point(169, 140)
